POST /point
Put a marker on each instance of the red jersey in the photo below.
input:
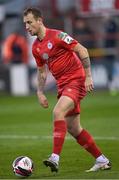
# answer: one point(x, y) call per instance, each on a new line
point(55, 50)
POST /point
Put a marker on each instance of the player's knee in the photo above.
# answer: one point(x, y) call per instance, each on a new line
point(69, 127)
point(74, 131)
point(58, 113)
point(70, 130)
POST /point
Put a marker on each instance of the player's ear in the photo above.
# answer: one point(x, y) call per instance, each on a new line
point(40, 21)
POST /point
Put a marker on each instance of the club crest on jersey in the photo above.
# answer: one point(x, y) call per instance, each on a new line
point(49, 45)
point(45, 56)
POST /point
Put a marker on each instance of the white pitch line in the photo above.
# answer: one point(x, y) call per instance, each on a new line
point(35, 137)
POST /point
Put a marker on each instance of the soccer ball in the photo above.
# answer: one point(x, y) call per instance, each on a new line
point(22, 166)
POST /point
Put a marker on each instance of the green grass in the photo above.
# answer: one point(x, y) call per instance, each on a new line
point(26, 128)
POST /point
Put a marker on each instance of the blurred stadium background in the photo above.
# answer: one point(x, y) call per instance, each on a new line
point(95, 23)
point(25, 128)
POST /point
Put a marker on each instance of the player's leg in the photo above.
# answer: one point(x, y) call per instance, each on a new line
point(84, 138)
point(63, 105)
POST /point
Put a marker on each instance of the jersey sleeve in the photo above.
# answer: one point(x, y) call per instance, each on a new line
point(65, 40)
point(38, 60)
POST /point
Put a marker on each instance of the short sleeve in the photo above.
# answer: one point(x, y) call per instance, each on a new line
point(65, 40)
point(38, 60)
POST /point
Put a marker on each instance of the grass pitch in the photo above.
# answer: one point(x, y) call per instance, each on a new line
point(26, 129)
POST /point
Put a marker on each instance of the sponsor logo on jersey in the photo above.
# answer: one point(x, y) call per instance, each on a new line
point(65, 37)
point(38, 50)
point(49, 45)
point(62, 35)
point(45, 56)
point(68, 39)
point(69, 90)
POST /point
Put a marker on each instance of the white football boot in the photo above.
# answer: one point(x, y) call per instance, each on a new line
point(100, 165)
point(52, 162)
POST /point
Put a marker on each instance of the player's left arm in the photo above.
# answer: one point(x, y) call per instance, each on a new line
point(85, 59)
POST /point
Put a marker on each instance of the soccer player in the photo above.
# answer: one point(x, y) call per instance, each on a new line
point(69, 63)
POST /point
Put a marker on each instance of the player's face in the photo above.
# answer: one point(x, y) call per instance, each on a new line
point(32, 24)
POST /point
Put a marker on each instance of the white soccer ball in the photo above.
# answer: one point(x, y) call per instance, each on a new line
point(22, 166)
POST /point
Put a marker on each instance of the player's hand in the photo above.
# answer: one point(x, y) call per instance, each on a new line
point(42, 100)
point(89, 84)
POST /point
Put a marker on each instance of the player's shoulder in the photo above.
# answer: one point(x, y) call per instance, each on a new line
point(62, 35)
point(34, 45)
point(59, 34)
point(35, 42)
point(53, 33)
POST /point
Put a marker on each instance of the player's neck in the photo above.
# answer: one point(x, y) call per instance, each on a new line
point(42, 33)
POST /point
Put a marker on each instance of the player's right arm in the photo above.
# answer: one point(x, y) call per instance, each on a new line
point(41, 76)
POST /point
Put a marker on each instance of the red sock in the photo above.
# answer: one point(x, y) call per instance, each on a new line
point(60, 129)
point(87, 142)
